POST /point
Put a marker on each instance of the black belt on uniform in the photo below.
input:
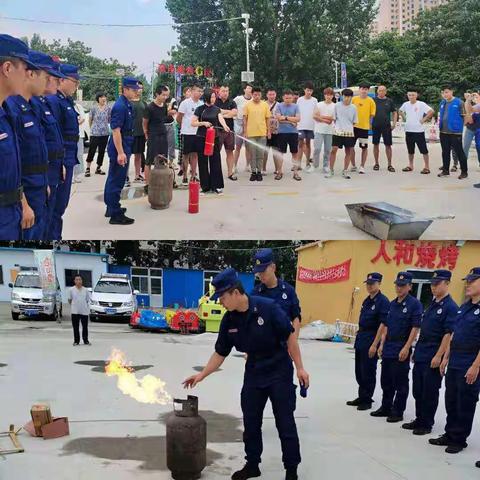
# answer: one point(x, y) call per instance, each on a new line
point(397, 338)
point(34, 169)
point(71, 138)
point(465, 348)
point(11, 197)
point(127, 133)
point(367, 329)
point(426, 339)
point(255, 357)
point(56, 155)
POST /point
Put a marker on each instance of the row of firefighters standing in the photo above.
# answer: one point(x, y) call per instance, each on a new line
point(448, 341)
point(39, 134)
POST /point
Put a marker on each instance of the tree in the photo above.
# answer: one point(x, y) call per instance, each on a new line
point(443, 47)
point(292, 40)
point(100, 73)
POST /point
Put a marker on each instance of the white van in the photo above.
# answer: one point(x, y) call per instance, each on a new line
point(112, 298)
point(29, 299)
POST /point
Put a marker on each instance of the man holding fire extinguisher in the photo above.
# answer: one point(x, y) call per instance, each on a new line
point(209, 120)
point(260, 328)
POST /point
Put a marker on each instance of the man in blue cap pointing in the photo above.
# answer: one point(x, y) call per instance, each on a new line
point(119, 150)
point(272, 287)
point(53, 135)
point(462, 382)
point(259, 327)
point(373, 315)
point(15, 213)
point(63, 108)
point(437, 325)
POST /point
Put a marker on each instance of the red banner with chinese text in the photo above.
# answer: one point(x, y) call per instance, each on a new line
point(337, 273)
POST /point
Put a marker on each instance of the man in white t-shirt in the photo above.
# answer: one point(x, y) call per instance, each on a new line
point(306, 127)
point(241, 101)
point(415, 114)
point(323, 115)
point(79, 300)
point(189, 134)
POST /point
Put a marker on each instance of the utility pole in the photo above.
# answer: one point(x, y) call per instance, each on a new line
point(336, 73)
point(247, 76)
point(153, 79)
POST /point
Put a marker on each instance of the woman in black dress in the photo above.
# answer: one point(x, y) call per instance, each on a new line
point(210, 168)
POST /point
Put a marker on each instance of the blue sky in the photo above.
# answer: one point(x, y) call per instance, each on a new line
point(141, 46)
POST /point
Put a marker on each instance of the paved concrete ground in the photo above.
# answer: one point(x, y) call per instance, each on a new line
point(112, 436)
point(313, 208)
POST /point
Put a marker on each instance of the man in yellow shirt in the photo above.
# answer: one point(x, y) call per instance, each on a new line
point(366, 109)
point(256, 127)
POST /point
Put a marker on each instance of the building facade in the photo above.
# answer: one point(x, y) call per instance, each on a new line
point(398, 15)
point(330, 274)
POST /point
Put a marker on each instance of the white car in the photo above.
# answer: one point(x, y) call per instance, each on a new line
point(113, 298)
point(29, 299)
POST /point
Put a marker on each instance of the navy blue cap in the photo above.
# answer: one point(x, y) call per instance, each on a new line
point(55, 70)
point(263, 258)
point(373, 278)
point(474, 274)
point(131, 82)
point(45, 62)
point(70, 71)
point(16, 48)
point(223, 282)
point(404, 278)
point(441, 275)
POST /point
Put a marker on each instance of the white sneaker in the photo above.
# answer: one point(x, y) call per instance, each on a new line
point(346, 175)
point(361, 170)
point(310, 169)
point(328, 174)
point(353, 169)
point(219, 191)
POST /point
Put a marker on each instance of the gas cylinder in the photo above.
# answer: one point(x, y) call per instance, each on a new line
point(209, 142)
point(160, 188)
point(193, 197)
point(186, 440)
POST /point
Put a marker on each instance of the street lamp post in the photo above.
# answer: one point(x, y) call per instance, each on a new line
point(248, 31)
point(336, 73)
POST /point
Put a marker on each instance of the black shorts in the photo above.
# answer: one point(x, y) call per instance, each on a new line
point(386, 133)
point(189, 143)
point(289, 140)
point(138, 144)
point(418, 139)
point(227, 140)
point(362, 136)
point(273, 142)
point(340, 142)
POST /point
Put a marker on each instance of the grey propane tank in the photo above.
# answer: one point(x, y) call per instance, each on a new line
point(186, 440)
point(160, 188)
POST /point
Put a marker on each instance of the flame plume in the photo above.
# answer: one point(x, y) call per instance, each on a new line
point(148, 389)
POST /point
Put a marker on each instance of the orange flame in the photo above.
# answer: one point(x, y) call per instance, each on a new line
point(148, 389)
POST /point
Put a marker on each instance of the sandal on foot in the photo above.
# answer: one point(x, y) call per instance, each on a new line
point(87, 172)
point(425, 171)
point(233, 178)
point(297, 177)
point(390, 169)
point(376, 167)
point(278, 176)
point(407, 169)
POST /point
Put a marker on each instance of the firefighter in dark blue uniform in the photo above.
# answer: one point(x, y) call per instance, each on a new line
point(119, 150)
point(462, 383)
point(437, 324)
point(32, 144)
point(272, 287)
point(14, 210)
point(63, 108)
point(400, 331)
point(259, 327)
point(53, 137)
point(373, 315)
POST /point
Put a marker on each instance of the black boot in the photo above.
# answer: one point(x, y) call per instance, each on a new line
point(107, 215)
point(121, 219)
point(248, 471)
point(381, 412)
point(291, 473)
point(394, 418)
point(441, 441)
point(364, 406)
point(411, 425)
point(354, 403)
point(422, 431)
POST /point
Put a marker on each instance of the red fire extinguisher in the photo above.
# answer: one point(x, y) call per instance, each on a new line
point(193, 197)
point(209, 142)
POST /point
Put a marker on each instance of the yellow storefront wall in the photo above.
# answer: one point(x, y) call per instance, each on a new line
point(342, 300)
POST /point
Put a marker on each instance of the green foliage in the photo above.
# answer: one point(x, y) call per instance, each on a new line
point(102, 72)
point(443, 48)
point(292, 40)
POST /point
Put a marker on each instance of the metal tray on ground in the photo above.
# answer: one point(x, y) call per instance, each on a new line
point(386, 221)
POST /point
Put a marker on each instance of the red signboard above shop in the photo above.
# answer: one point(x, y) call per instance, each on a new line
point(337, 273)
point(172, 69)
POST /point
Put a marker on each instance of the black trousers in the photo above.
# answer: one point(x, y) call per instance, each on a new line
point(394, 381)
point(210, 170)
point(101, 144)
point(76, 319)
point(365, 374)
point(451, 142)
point(426, 387)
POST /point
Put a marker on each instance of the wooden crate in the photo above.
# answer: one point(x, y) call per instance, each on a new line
point(41, 415)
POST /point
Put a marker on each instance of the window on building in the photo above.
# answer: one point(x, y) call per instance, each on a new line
point(85, 274)
point(148, 281)
point(207, 277)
